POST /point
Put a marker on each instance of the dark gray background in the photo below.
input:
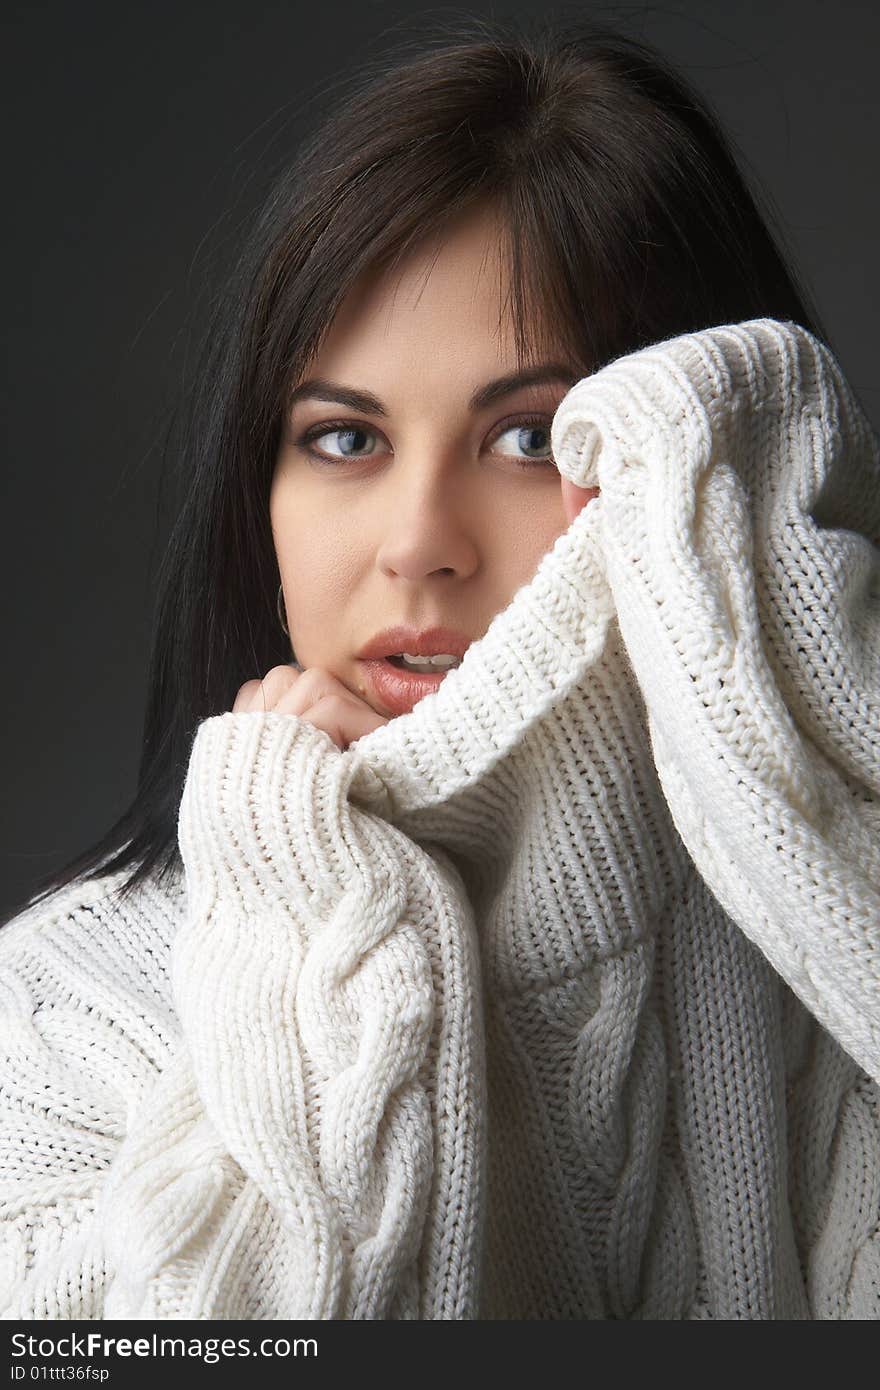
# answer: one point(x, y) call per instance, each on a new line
point(138, 137)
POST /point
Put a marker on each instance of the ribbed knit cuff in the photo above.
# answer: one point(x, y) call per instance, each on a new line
point(264, 807)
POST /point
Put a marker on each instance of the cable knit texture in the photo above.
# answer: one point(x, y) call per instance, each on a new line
point(558, 997)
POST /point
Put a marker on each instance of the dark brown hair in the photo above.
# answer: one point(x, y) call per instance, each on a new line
point(627, 221)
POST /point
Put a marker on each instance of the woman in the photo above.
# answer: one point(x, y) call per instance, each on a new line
point(545, 987)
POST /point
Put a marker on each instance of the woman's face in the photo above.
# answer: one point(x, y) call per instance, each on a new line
point(414, 484)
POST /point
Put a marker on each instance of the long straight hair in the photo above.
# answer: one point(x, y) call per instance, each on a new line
point(626, 220)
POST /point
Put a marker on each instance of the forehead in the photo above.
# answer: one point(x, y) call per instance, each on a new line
point(451, 291)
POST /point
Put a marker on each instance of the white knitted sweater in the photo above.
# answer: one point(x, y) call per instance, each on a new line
point(558, 997)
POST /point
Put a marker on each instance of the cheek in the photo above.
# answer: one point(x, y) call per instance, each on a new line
point(318, 552)
point(328, 566)
point(529, 529)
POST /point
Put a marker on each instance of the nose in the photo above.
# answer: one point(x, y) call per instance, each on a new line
point(431, 522)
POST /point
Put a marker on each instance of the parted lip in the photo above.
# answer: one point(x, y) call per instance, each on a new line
point(429, 641)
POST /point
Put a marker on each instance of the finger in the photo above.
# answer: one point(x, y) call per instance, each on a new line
point(309, 687)
point(274, 688)
point(344, 717)
point(245, 697)
point(266, 693)
point(575, 498)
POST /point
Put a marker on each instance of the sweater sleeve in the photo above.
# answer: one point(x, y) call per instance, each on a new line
point(327, 1092)
point(739, 517)
point(84, 1030)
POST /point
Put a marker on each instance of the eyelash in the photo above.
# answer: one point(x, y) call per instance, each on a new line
point(331, 426)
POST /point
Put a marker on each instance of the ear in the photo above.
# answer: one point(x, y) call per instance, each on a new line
point(574, 498)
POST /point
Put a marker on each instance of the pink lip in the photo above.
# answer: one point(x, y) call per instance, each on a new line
point(430, 641)
point(398, 690)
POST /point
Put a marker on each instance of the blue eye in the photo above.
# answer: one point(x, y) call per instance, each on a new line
point(531, 437)
point(526, 436)
point(351, 440)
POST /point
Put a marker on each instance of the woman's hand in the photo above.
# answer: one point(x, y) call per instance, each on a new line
point(316, 696)
point(574, 498)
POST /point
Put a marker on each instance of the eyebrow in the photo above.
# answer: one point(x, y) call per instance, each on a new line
point(320, 389)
